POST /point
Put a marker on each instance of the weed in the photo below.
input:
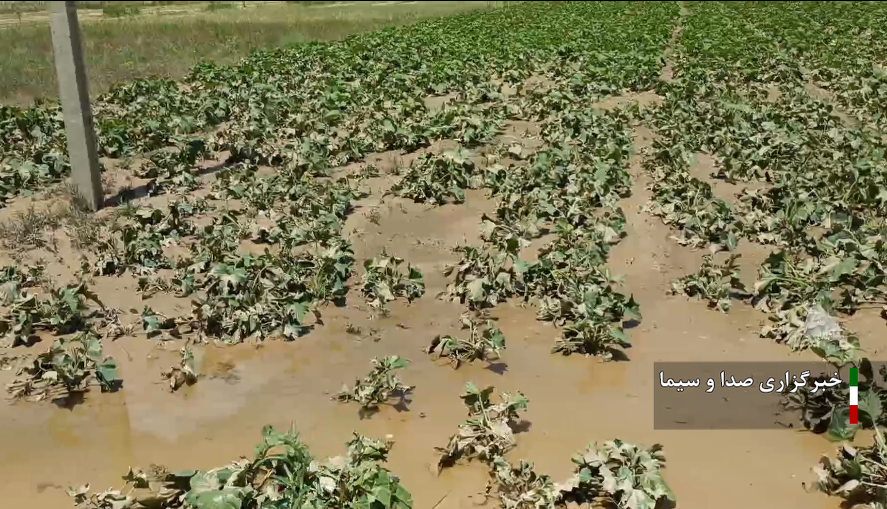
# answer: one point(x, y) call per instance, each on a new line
point(27, 229)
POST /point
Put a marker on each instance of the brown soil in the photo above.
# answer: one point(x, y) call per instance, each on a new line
point(645, 98)
point(667, 74)
point(705, 165)
point(437, 102)
point(774, 94)
point(539, 83)
point(824, 95)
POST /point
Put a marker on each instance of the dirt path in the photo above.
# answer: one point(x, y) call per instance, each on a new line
point(667, 74)
point(733, 468)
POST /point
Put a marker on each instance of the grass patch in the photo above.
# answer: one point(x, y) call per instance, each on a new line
point(219, 6)
point(119, 11)
point(129, 47)
point(26, 228)
point(24, 6)
point(82, 224)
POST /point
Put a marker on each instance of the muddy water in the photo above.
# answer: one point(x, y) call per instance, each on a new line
point(573, 400)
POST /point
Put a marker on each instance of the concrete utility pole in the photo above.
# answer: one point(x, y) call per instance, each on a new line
point(74, 94)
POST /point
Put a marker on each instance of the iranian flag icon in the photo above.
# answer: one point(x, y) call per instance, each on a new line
point(854, 396)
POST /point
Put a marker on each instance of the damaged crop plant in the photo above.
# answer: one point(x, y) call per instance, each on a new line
point(281, 474)
point(253, 174)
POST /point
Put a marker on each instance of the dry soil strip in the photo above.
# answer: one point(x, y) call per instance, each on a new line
point(667, 74)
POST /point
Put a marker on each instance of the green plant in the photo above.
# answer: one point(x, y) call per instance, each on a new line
point(282, 473)
point(119, 11)
point(857, 474)
point(590, 338)
point(434, 179)
point(487, 433)
point(713, 282)
point(13, 278)
point(380, 384)
point(619, 473)
point(520, 487)
point(483, 278)
point(482, 343)
point(806, 325)
point(70, 365)
point(264, 295)
point(218, 6)
point(383, 281)
point(827, 409)
point(63, 311)
point(153, 323)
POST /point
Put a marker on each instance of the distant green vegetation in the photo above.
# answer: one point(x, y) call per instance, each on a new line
point(134, 45)
point(219, 6)
point(39, 6)
point(117, 11)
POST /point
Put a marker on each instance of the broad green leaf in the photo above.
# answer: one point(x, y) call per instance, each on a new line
point(230, 498)
point(839, 427)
